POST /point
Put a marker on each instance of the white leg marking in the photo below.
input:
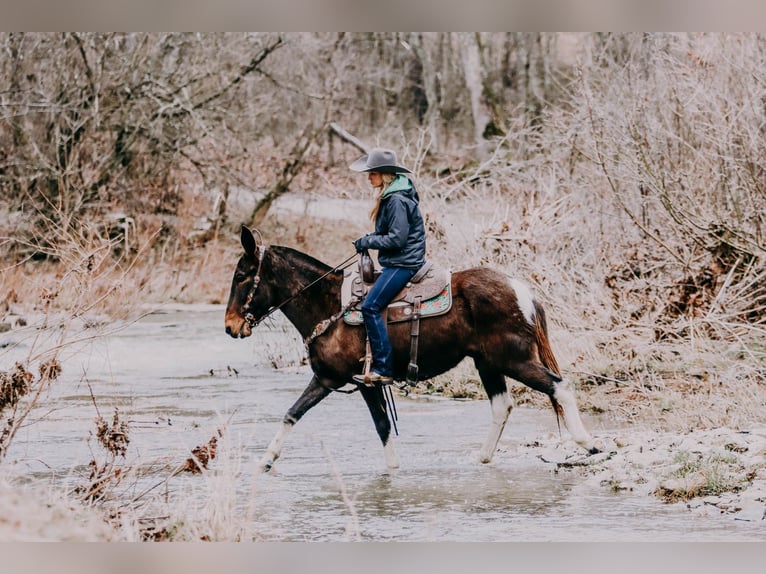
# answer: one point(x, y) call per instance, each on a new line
point(275, 447)
point(392, 459)
point(525, 298)
point(572, 420)
point(501, 408)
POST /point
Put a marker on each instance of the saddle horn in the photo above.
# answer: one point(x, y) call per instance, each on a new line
point(366, 267)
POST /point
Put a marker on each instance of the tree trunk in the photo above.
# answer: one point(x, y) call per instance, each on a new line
point(289, 171)
point(491, 97)
point(16, 46)
point(533, 80)
point(469, 49)
point(428, 77)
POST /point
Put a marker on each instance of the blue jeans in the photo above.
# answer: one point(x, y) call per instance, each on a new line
point(386, 287)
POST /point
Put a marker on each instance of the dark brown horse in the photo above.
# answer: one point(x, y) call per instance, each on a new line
point(493, 319)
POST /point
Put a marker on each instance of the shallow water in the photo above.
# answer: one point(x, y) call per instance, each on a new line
point(176, 377)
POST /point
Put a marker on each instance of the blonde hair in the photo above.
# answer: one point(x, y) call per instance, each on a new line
point(388, 178)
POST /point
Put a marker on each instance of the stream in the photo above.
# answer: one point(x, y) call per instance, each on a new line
point(176, 378)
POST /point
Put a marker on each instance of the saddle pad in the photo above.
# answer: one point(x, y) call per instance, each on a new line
point(430, 286)
point(402, 311)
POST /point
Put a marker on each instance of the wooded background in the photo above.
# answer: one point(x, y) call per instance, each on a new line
point(630, 161)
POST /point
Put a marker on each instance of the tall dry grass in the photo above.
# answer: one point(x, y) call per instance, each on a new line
point(89, 288)
point(638, 221)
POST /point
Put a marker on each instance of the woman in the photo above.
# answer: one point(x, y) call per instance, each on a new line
point(400, 238)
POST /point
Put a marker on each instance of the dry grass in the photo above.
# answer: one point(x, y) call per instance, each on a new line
point(696, 475)
point(33, 513)
point(605, 295)
point(209, 506)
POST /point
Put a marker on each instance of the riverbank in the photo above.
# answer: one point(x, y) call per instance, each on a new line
point(715, 473)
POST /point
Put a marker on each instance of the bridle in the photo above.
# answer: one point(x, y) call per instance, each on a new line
point(320, 328)
point(250, 318)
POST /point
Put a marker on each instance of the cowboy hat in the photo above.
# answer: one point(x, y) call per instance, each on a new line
point(380, 160)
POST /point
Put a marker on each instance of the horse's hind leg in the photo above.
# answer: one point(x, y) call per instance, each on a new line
point(376, 402)
point(541, 379)
point(501, 404)
point(565, 399)
point(312, 394)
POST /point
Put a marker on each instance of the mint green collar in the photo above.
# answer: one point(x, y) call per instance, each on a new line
point(401, 183)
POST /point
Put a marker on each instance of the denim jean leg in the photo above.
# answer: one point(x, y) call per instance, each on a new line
point(386, 287)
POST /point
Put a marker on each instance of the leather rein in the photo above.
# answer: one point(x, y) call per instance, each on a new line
point(319, 329)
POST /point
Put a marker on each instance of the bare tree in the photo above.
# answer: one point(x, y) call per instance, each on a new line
point(469, 49)
point(99, 119)
point(431, 115)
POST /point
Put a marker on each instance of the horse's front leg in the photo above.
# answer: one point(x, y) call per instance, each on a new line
point(376, 402)
point(312, 394)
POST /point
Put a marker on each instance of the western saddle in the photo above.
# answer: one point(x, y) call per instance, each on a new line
point(428, 294)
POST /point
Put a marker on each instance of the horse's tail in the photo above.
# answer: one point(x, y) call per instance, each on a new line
point(543, 343)
point(547, 357)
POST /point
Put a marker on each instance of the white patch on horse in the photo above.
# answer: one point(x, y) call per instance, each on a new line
point(275, 447)
point(501, 404)
point(525, 299)
point(392, 459)
point(566, 400)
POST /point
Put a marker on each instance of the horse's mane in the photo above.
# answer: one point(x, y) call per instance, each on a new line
point(291, 255)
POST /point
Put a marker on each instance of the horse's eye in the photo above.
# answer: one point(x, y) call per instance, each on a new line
point(240, 277)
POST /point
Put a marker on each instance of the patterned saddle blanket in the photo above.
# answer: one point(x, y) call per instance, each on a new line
point(434, 290)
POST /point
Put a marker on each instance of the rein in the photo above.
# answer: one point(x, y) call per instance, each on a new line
point(250, 318)
point(321, 327)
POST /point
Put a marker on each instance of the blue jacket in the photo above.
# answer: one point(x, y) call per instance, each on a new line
point(400, 234)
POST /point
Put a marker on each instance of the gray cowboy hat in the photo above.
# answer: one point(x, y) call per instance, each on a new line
point(380, 160)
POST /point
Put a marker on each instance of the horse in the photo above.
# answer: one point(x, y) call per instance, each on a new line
point(494, 319)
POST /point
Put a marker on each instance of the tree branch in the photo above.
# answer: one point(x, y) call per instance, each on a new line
point(289, 171)
point(344, 135)
point(245, 71)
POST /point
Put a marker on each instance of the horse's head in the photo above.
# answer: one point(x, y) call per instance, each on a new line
point(250, 296)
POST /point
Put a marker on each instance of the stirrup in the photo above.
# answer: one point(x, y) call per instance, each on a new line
point(372, 378)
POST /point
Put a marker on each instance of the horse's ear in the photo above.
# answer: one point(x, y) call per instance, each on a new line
point(248, 241)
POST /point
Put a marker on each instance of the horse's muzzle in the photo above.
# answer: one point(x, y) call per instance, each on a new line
point(237, 327)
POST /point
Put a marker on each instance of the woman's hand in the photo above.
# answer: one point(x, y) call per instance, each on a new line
point(360, 244)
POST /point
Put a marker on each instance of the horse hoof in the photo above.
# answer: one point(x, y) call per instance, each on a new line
point(597, 447)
